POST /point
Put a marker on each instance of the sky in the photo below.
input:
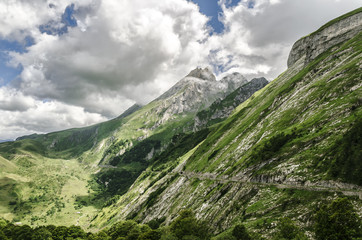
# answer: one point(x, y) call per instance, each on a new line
point(74, 63)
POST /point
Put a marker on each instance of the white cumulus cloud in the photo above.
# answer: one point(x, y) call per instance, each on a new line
point(122, 52)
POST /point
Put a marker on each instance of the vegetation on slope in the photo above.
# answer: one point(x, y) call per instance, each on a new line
point(346, 155)
point(275, 157)
point(335, 220)
point(303, 128)
point(303, 122)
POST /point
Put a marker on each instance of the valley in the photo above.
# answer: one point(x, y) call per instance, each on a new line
point(225, 152)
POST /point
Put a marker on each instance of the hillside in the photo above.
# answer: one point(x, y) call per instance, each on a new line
point(233, 151)
point(291, 146)
point(78, 171)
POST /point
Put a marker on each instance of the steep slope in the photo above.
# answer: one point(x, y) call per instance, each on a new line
point(77, 171)
point(222, 108)
point(198, 90)
point(292, 145)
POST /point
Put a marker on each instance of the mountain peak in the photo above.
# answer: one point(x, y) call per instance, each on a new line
point(204, 74)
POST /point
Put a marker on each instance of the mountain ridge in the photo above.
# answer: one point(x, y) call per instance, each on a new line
point(105, 158)
point(287, 148)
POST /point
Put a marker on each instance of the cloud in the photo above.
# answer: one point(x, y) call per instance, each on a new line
point(121, 52)
point(20, 18)
point(20, 114)
point(257, 40)
point(12, 100)
point(118, 46)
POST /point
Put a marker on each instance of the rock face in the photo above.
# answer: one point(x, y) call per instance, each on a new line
point(221, 109)
point(204, 74)
point(327, 36)
point(198, 90)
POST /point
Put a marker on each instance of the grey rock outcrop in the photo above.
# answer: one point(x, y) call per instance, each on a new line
point(204, 74)
point(329, 35)
point(195, 92)
point(222, 108)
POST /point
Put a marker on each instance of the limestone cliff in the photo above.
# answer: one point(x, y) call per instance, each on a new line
point(332, 33)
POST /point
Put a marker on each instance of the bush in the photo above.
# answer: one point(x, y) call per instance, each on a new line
point(270, 147)
point(346, 156)
point(286, 229)
point(337, 220)
point(240, 233)
point(186, 226)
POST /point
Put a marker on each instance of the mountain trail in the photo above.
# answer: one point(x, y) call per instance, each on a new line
point(346, 189)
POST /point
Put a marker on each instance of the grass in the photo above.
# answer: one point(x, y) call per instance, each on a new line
point(330, 23)
point(305, 118)
point(217, 148)
point(45, 192)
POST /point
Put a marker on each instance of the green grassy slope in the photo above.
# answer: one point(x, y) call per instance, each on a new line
point(292, 145)
point(295, 119)
point(55, 178)
point(81, 170)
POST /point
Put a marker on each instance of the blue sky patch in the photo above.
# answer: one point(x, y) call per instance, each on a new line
point(251, 4)
point(68, 16)
point(56, 28)
point(8, 73)
point(212, 9)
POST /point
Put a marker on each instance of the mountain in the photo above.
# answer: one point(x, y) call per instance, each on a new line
point(273, 155)
point(197, 91)
point(82, 169)
point(294, 144)
point(222, 108)
point(130, 110)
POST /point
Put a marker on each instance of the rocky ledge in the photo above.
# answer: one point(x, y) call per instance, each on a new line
point(326, 37)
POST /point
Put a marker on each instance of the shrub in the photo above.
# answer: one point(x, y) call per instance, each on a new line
point(337, 220)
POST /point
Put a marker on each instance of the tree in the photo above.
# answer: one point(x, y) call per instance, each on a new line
point(41, 233)
point(76, 232)
point(286, 229)
point(98, 236)
point(150, 235)
point(2, 235)
point(240, 233)
point(121, 229)
point(337, 220)
point(187, 225)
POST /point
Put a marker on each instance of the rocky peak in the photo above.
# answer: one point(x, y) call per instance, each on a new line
point(259, 81)
point(334, 32)
point(197, 91)
point(204, 74)
point(222, 108)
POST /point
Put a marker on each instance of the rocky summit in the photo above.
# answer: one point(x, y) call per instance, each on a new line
point(204, 74)
point(197, 91)
point(227, 158)
point(222, 108)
